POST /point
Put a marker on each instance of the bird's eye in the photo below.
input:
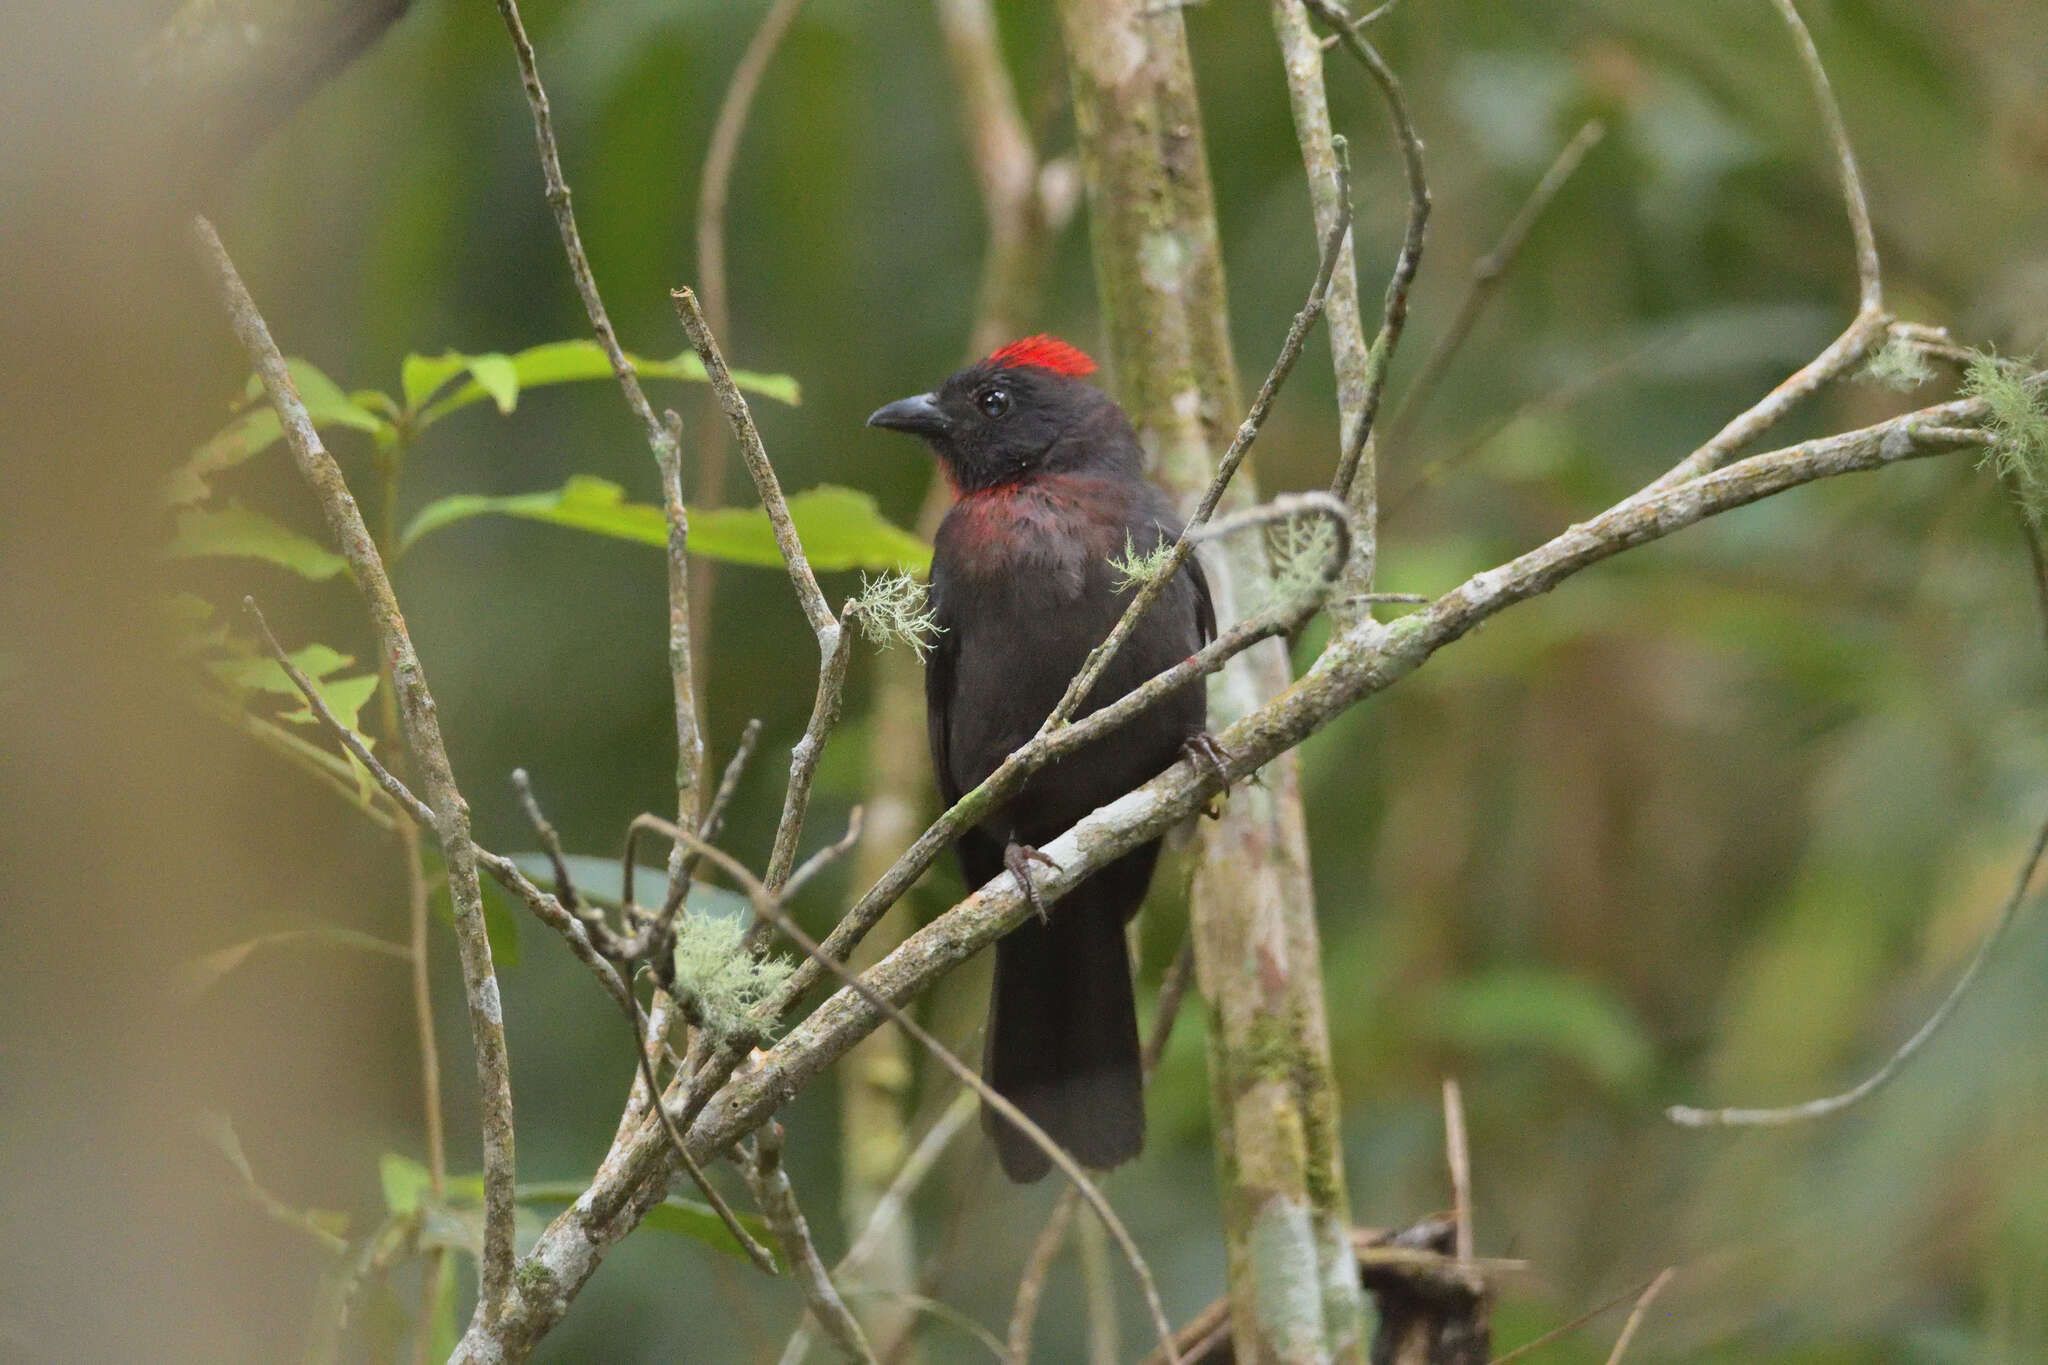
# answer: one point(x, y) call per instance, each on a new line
point(993, 402)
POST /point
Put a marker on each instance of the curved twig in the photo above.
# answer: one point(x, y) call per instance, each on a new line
point(1689, 1117)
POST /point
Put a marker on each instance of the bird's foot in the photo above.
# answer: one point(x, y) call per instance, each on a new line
point(1208, 756)
point(1018, 858)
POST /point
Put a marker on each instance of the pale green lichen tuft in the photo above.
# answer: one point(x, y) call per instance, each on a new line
point(1898, 365)
point(2019, 431)
point(720, 978)
point(894, 609)
point(1135, 569)
point(1301, 550)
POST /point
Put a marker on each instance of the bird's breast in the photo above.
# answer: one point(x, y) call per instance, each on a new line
point(1040, 537)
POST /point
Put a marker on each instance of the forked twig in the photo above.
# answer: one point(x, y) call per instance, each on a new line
point(766, 905)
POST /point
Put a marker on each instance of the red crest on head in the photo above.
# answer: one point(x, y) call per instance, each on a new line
point(1047, 353)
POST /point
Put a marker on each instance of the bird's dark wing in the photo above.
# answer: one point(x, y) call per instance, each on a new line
point(939, 681)
point(1205, 607)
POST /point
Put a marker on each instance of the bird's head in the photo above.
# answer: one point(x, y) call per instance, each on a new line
point(1022, 413)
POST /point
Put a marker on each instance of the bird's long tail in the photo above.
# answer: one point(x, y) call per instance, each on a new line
point(1063, 1028)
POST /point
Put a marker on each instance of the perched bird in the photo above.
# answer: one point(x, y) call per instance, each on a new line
point(1046, 469)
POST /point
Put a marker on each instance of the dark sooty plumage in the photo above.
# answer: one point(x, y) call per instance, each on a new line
point(1050, 490)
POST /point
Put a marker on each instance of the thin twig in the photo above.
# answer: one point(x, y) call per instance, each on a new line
point(1038, 1264)
point(1394, 314)
point(658, 435)
point(1037, 1268)
point(721, 154)
point(767, 906)
point(756, 1253)
point(833, 637)
point(1565, 1329)
point(827, 855)
point(1865, 332)
point(681, 655)
point(1459, 1155)
point(1869, 276)
point(1635, 1317)
point(448, 814)
point(777, 1198)
point(1487, 273)
point(1301, 60)
point(1690, 1117)
point(623, 955)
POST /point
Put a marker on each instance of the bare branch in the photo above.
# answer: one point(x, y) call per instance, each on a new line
point(1394, 314)
point(1038, 1265)
point(1459, 1155)
point(1868, 329)
point(721, 155)
point(1565, 1329)
point(1635, 1317)
point(1690, 1117)
point(449, 814)
point(400, 795)
point(777, 1198)
point(681, 651)
point(767, 906)
point(1487, 273)
point(572, 240)
point(1301, 55)
point(1869, 277)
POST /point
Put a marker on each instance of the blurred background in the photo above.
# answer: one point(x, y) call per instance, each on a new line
point(1717, 822)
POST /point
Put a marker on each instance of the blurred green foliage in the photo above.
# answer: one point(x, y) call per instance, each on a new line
point(1716, 822)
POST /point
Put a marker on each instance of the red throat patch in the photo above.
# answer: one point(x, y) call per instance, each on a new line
point(1045, 352)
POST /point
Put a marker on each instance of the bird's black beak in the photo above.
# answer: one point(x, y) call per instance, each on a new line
point(920, 416)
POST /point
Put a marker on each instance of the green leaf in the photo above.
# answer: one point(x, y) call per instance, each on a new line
point(255, 672)
point(564, 362)
point(598, 881)
point(421, 376)
point(584, 503)
point(345, 697)
point(255, 429)
point(405, 1183)
point(841, 528)
point(684, 1217)
point(1546, 1011)
point(498, 377)
point(239, 532)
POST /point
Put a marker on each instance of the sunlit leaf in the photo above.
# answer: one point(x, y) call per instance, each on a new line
point(499, 377)
point(562, 362)
point(239, 532)
point(419, 376)
point(841, 528)
point(405, 1183)
point(345, 697)
point(262, 673)
point(255, 429)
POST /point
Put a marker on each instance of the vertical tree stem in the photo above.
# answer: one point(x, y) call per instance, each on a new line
point(1160, 277)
